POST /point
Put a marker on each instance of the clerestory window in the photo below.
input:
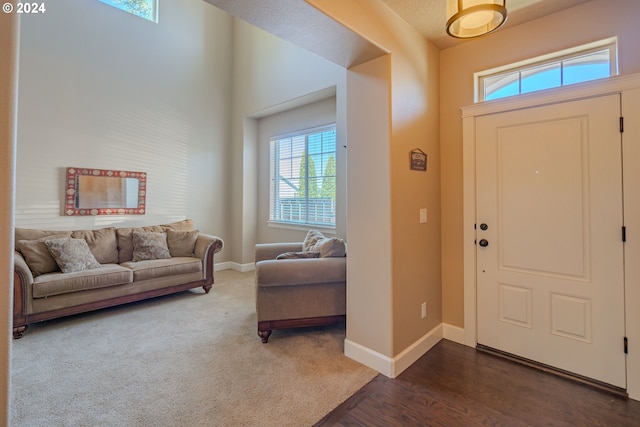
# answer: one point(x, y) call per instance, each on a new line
point(147, 9)
point(580, 64)
point(303, 178)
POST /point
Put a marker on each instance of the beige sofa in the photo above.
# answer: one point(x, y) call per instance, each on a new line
point(121, 265)
point(300, 284)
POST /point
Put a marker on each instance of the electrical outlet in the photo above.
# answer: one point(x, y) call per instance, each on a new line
point(424, 309)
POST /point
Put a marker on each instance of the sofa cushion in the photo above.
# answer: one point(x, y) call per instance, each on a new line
point(60, 283)
point(103, 243)
point(148, 246)
point(33, 234)
point(184, 225)
point(71, 254)
point(315, 241)
point(152, 269)
point(125, 240)
point(37, 255)
point(182, 242)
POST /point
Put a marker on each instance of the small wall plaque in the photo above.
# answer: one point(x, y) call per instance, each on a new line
point(418, 160)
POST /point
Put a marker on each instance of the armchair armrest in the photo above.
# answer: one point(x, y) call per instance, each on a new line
point(207, 242)
point(303, 271)
point(21, 268)
point(22, 288)
point(264, 251)
point(206, 246)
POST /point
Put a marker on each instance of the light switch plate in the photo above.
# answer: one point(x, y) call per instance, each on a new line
point(423, 216)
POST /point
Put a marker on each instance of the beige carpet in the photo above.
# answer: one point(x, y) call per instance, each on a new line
point(184, 360)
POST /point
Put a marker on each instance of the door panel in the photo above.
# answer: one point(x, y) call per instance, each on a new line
point(542, 197)
point(550, 281)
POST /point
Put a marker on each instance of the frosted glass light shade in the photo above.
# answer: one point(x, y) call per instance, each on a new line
point(473, 18)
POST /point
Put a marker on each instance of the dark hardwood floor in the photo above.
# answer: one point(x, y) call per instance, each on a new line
point(455, 385)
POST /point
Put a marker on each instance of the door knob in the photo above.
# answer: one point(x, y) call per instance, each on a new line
point(484, 243)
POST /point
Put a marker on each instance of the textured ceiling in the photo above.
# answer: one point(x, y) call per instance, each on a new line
point(429, 16)
point(303, 25)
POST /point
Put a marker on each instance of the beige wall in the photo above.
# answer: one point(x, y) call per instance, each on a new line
point(595, 20)
point(9, 25)
point(102, 88)
point(414, 264)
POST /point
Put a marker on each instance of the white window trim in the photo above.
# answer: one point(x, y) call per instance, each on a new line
point(610, 43)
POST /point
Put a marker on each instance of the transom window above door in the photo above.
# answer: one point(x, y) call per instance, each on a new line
point(147, 9)
point(575, 65)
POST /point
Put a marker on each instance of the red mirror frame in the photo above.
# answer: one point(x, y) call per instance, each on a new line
point(71, 192)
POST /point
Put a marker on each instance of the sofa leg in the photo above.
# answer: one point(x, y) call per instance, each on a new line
point(18, 331)
point(207, 288)
point(265, 335)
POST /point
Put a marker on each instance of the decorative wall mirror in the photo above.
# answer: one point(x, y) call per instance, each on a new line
point(104, 192)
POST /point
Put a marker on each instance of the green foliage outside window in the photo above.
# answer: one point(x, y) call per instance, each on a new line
point(329, 182)
point(312, 178)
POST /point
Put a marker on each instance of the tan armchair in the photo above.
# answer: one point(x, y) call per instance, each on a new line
point(300, 292)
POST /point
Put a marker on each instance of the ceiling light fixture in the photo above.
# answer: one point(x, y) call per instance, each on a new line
point(473, 18)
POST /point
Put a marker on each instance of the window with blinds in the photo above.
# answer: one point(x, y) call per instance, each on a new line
point(303, 178)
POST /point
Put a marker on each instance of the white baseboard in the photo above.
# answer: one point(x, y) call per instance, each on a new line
point(392, 367)
point(230, 265)
point(416, 350)
point(453, 333)
point(374, 360)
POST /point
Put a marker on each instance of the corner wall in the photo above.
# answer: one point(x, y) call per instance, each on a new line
point(395, 279)
point(369, 269)
point(306, 116)
point(269, 74)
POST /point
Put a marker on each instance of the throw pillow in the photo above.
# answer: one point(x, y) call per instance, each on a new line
point(37, 255)
point(313, 237)
point(125, 240)
point(103, 243)
point(71, 254)
point(182, 242)
point(150, 246)
point(327, 246)
point(294, 255)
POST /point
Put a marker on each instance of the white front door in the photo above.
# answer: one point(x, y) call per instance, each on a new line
point(550, 282)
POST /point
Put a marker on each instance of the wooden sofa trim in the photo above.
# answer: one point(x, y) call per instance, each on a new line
point(265, 327)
